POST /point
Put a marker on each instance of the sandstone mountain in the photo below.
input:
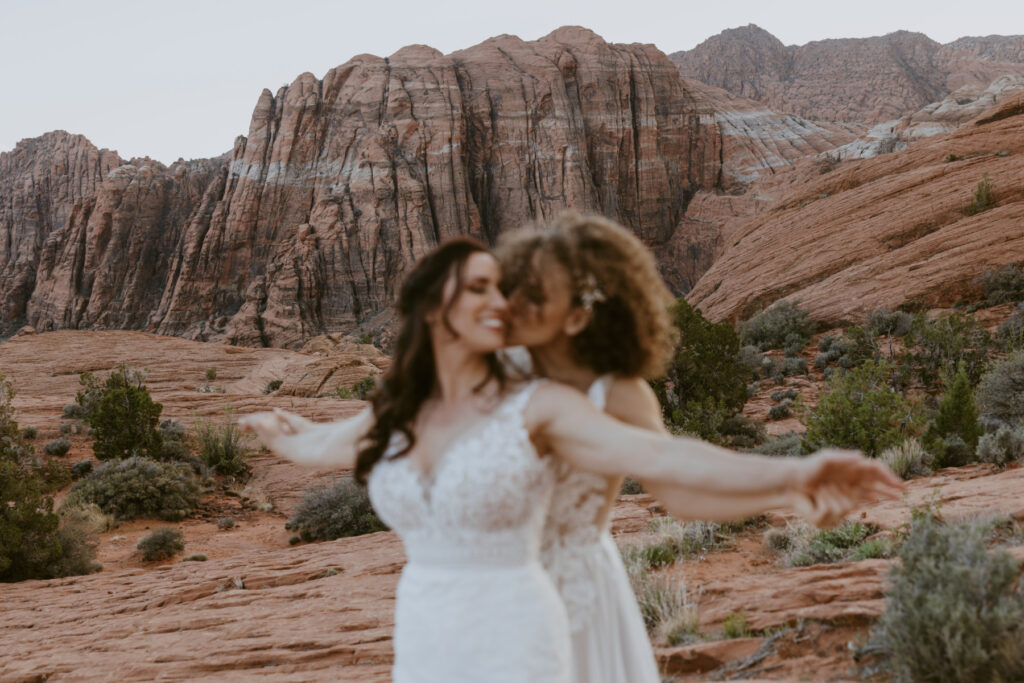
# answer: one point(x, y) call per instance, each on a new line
point(863, 80)
point(305, 227)
point(894, 230)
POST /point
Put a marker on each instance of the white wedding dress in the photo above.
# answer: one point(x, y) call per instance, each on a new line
point(474, 603)
point(609, 641)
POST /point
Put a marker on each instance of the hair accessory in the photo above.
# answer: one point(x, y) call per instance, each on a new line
point(590, 293)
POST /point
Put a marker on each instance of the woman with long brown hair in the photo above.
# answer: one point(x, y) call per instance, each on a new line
point(461, 461)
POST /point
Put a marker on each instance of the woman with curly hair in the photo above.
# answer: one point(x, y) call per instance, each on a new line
point(589, 305)
point(461, 462)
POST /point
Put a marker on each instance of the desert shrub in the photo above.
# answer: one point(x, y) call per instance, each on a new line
point(211, 374)
point(124, 418)
point(139, 487)
point(173, 430)
point(666, 608)
point(272, 386)
point(162, 544)
point(1001, 390)
point(735, 626)
point(1002, 447)
point(938, 347)
point(330, 512)
point(739, 431)
point(821, 361)
point(860, 410)
point(794, 366)
point(225, 523)
point(982, 200)
point(794, 345)
point(889, 323)
point(873, 548)
point(33, 545)
point(908, 459)
point(772, 327)
point(221, 446)
point(750, 357)
point(833, 545)
point(788, 394)
point(361, 390)
point(81, 468)
point(198, 557)
point(88, 516)
point(957, 415)
point(630, 487)
point(57, 447)
point(705, 377)
point(1003, 285)
point(781, 411)
point(1011, 332)
point(29, 433)
point(175, 451)
point(953, 610)
point(73, 411)
point(65, 428)
point(782, 445)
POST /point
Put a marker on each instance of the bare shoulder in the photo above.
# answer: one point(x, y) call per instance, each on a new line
point(631, 400)
point(551, 399)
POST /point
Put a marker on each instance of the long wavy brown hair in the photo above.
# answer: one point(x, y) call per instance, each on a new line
point(412, 377)
point(630, 332)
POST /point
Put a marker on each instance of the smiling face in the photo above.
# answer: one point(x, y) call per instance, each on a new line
point(474, 312)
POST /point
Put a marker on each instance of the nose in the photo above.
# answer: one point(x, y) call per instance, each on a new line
point(498, 302)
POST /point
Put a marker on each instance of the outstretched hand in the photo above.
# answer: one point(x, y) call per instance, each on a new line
point(271, 425)
point(833, 482)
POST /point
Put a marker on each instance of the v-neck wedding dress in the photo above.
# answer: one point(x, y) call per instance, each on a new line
point(474, 603)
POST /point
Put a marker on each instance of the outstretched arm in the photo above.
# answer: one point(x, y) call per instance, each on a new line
point(633, 402)
point(315, 444)
point(561, 419)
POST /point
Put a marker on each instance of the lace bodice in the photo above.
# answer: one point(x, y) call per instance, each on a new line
point(484, 501)
point(577, 517)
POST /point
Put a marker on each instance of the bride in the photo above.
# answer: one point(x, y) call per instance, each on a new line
point(451, 452)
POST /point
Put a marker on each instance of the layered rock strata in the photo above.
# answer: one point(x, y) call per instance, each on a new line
point(856, 80)
point(891, 231)
point(306, 226)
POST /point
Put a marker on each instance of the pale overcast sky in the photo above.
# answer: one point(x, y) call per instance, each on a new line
point(180, 78)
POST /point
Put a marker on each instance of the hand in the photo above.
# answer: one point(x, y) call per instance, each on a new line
point(832, 482)
point(271, 425)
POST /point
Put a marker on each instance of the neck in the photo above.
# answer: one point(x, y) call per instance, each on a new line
point(555, 360)
point(459, 371)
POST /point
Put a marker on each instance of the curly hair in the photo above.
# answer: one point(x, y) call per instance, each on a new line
point(412, 377)
point(613, 275)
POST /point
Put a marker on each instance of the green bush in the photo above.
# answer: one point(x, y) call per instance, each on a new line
point(123, 417)
point(954, 610)
point(705, 379)
point(73, 411)
point(1001, 391)
point(29, 433)
point(33, 545)
point(1002, 447)
point(938, 347)
point(211, 374)
point(331, 512)
point(57, 447)
point(782, 445)
point(889, 323)
point(225, 523)
point(272, 386)
point(221, 446)
point(834, 545)
point(162, 544)
point(1011, 332)
point(630, 487)
point(139, 487)
point(361, 390)
point(958, 415)
point(860, 410)
point(781, 411)
point(1003, 285)
point(982, 200)
point(173, 430)
point(739, 431)
point(908, 459)
point(779, 396)
point(81, 468)
point(772, 327)
point(735, 626)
